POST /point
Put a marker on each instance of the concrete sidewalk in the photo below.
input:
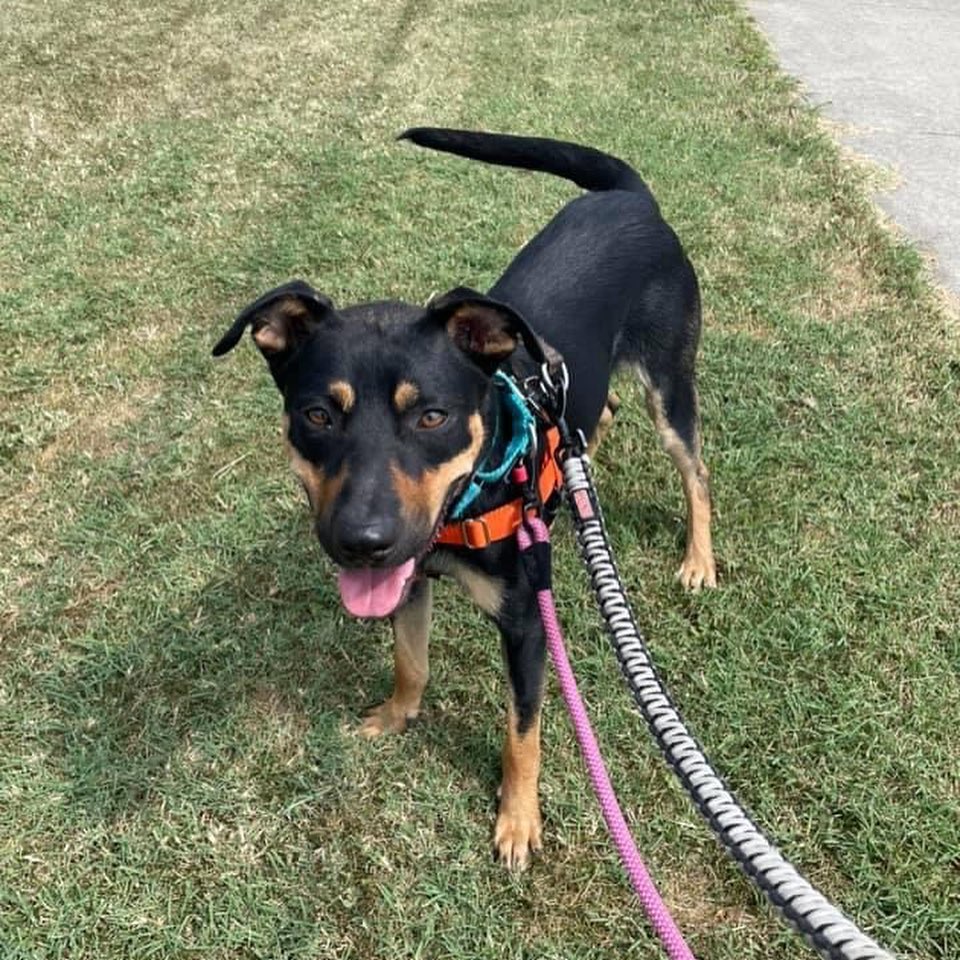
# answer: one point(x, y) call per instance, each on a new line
point(889, 71)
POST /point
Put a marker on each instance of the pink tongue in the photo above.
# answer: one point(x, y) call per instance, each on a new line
point(374, 591)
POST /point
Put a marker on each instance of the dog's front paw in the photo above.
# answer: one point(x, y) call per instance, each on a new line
point(389, 717)
point(517, 835)
point(697, 570)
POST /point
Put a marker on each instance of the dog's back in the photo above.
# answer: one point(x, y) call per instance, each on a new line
point(606, 281)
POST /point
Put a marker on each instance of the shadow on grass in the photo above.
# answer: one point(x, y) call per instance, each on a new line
point(255, 682)
point(649, 523)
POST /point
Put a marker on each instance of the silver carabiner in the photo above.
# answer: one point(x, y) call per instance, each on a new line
point(557, 392)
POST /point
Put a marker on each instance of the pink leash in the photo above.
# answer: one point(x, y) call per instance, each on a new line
point(643, 885)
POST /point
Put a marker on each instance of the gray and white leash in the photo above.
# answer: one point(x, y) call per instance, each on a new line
point(807, 910)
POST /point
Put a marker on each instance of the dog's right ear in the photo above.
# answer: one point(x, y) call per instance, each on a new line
point(281, 319)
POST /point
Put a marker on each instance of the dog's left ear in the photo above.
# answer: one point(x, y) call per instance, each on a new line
point(281, 319)
point(486, 330)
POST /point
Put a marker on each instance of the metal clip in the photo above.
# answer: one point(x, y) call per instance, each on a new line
point(557, 391)
point(534, 443)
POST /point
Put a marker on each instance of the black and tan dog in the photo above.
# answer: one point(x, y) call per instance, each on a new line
point(389, 408)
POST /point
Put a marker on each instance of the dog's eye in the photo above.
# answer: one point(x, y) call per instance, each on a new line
point(431, 419)
point(319, 417)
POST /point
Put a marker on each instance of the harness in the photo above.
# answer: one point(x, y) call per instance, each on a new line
point(516, 439)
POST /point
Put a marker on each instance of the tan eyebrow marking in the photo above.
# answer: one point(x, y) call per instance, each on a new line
point(343, 394)
point(405, 396)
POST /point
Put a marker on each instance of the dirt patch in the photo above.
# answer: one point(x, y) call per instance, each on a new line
point(847, 291)
point(282, 724)
point(697, 901)
point(93, 432)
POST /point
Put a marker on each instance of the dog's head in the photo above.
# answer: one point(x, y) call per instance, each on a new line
point(385, 416)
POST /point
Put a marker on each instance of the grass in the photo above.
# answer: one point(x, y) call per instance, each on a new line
point(178, 683)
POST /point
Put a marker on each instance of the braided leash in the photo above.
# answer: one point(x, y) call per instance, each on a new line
point(823, 926)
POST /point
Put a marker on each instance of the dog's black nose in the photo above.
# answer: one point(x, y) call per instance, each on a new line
point(368, 542)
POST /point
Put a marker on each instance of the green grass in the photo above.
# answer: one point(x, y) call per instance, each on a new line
point(178, 683)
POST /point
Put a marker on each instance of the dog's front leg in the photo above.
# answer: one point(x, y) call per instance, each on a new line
point(411, 631)
point(518, 829)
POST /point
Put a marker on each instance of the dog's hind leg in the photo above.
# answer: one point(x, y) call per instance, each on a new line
point(672, 406)
point(610, 409)
point(411, 631)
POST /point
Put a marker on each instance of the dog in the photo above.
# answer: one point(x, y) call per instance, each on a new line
point(389, 408)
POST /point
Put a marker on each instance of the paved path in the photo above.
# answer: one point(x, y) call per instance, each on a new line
point(889, 71)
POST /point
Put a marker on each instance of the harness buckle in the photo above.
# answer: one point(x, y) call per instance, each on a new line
point(475, 533)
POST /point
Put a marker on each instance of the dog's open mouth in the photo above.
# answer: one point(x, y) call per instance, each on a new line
point(375, 591)
point(378, 591)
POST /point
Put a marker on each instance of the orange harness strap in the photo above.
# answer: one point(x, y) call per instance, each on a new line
point(502, 522)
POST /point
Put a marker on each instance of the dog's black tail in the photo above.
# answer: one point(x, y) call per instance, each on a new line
point(586, 167)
